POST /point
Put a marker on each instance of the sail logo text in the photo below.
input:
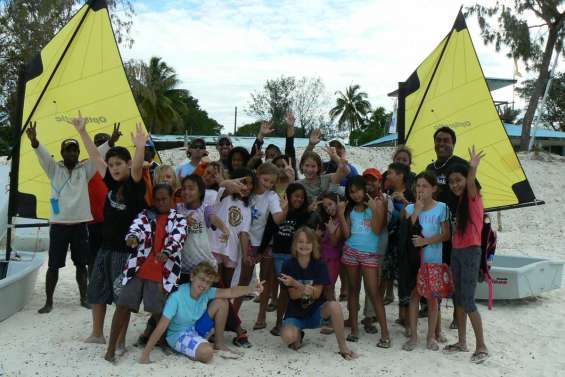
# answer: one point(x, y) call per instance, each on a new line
point(95, 119)
point(454, 125)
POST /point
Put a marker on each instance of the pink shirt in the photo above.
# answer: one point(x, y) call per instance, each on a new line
point(472, 235)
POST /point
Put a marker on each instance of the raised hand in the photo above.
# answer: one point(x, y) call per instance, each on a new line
point(140, 137)
point(266, 129)
point(474, 157)
point(372, 202)
point(79, 122)
point(290, 120)
point(332, 153)
point(31, 132)
point(288, 170)
point(341, 205)
point(331, 226)
point(116, 133)
point(419, 205)
point(315, 136)
point(234, 186)
point(314, 206)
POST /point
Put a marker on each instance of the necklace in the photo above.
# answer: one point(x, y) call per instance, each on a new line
point(446, 161)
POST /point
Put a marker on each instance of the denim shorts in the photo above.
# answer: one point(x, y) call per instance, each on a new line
point(314, 321)
point(280, 260)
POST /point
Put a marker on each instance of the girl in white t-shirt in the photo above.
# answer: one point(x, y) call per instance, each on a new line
point(200, 216)
point(232, 204)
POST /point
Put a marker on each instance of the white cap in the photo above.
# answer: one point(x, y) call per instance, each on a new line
point(339, 140)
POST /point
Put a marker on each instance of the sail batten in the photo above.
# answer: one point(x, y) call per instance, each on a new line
point(452, 91)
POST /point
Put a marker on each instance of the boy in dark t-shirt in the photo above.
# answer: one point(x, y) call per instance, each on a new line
point(125, 199)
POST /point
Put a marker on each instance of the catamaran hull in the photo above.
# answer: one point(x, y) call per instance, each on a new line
point(518, 277)
point(18, 286)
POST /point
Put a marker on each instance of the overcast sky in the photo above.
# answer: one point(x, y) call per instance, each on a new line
point(223, 50)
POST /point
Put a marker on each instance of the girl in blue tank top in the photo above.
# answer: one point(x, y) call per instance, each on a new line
point(362, 219)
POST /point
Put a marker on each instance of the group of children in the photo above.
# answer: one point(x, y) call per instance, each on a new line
point(187, 241)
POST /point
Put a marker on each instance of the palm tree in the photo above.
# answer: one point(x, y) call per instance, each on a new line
point(154, 88)
point(351, 108)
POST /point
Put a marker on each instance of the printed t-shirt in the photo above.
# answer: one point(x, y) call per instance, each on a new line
point(282, 239)
point(152, 269)
point(472, 235)
point(210, 197)
point(182, 310)
point(197, 245)
point(431, 221)
point(237, 218)
point(120, 210)
point(316, 273)
point(261, 206)
point(362, 236)
point(441, 170)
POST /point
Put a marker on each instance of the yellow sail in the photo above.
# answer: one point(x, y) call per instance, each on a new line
point(79, 69)
point(449, 89)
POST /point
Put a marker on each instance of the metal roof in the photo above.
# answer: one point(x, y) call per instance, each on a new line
point(512, 130)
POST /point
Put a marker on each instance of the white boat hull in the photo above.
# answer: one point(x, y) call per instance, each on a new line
point(517, 277)
point(18, 286)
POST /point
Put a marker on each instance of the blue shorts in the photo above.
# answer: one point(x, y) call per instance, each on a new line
point(314, 321)
point(194, 336)
point(280, 260)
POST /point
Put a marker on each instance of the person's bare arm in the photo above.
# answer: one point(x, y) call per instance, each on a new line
point(378, 209)
point(154, 338)
point(139, 139)
point(93, 152)
point(475, 159)
point(297, 290)
point(235, 292)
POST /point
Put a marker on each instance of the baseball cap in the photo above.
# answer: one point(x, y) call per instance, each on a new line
point(337, 140)
point(69, 142)
point(197, 141)
point(373, 172)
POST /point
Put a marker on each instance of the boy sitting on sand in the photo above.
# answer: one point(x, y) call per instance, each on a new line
point(192, 311)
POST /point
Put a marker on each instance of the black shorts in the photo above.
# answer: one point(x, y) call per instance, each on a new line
point(94, 241)
point(61, 236)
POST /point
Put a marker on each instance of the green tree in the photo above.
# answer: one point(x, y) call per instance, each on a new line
point(249, 129)
point(373, 129)
point(26, 26)
point(351, 108)
point(154, 86)
point(508, 114)
point(195, 120)
point(554, 111)
point(273, 102)
point(524, 40)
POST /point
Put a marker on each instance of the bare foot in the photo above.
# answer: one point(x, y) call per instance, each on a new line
point(110, 357)
point(95, 339)
point(223, 349)
point(45, 309)
point(347, 354)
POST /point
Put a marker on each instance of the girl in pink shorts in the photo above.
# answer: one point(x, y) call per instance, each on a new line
point(362, 218)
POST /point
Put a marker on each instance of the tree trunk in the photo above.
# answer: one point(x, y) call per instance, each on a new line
point(539, 88)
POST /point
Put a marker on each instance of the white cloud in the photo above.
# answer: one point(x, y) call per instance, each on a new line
point(222, 51)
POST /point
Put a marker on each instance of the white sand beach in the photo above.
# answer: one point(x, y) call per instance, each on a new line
point(525, 337)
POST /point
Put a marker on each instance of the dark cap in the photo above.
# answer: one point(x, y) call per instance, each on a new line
point(196, 141)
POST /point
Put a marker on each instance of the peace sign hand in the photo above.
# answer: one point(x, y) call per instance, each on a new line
point(31, 132)
point(116, 133)
point(315, 136)
point(79, 122)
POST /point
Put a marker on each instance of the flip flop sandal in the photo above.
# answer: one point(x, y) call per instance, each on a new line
point(453, 325)
point(241, 341)
point(453, 348)
point(352, 338)
point(228, 355)
point(432, 346)
point(479, 357)
point(384, 343)
point(408, 346)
